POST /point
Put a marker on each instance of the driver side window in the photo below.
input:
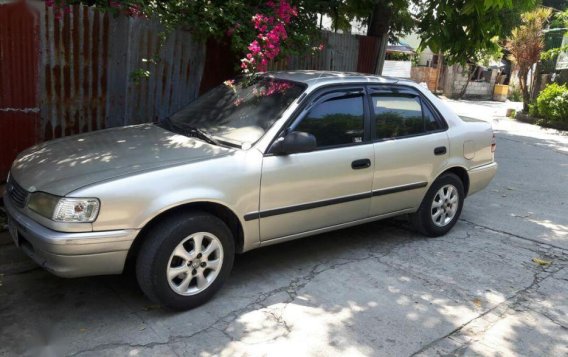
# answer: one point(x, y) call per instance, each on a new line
point(337, 121)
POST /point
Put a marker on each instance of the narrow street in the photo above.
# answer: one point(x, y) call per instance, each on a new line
point(495, 285)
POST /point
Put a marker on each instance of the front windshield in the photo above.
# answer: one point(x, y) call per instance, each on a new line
point(238, 112)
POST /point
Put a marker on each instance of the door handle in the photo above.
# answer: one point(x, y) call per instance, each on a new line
point(440, 150)
point(360, 164)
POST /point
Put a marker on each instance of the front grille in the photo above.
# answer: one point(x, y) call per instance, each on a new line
point(16, 192)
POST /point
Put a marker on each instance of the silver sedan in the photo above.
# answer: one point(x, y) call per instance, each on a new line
point(256, 161)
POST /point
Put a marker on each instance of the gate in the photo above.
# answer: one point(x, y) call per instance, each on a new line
point(19, 106)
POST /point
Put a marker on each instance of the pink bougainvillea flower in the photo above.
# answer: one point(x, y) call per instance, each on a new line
point(271, 32)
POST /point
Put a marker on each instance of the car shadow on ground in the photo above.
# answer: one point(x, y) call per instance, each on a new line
point(374, 289)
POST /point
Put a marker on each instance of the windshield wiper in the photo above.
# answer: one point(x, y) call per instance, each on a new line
point(201, 134)
point(190, 131)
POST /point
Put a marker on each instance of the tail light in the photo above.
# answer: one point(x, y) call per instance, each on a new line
point(493, 143)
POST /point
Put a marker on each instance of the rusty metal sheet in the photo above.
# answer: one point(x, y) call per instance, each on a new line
point(74, 71)
point(19, 53)
point(89, 58)
point(368, 47)
point(217, 67)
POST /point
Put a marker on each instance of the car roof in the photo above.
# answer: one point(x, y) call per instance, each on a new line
point(328, 77)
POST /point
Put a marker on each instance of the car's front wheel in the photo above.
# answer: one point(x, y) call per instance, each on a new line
point(441, 207)
point(185, 259)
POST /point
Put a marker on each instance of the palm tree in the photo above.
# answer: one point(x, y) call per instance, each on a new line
point(526, 44)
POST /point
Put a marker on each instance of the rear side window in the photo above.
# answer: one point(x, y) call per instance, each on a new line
point(337, 121)
point(401, 115)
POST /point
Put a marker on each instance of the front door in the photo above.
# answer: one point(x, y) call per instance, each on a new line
point(329, 186)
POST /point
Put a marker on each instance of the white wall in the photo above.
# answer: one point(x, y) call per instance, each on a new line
point(397, 69)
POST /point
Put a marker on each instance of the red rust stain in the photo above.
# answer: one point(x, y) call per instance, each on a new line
point(187, 68)
point(66, 32)
point(86, 39)
point(367, 49)
point(87, 42)
point(76, 94)
point(165, 73)
point(95, 68)
point(102, 103)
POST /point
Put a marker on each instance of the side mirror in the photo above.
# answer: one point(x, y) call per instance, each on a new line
point(294, 142)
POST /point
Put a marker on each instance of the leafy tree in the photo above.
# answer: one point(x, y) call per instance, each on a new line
point(460, 29)
point(526, 44)
point(464, 29)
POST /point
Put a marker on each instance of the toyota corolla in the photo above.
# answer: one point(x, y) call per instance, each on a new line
point(253, 162)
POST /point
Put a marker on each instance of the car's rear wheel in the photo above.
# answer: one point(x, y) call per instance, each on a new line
point(441, 207)
point(185, 259)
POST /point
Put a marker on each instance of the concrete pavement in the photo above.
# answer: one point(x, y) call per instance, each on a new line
point(496, 285)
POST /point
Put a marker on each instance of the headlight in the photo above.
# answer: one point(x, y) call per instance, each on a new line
point(43, 204)
point(64, 209)
point(76, 210)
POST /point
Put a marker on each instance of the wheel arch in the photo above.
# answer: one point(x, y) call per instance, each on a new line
point(461, 173)
point(216, 209)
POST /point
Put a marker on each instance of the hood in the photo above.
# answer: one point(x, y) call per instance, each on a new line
point(64, 165)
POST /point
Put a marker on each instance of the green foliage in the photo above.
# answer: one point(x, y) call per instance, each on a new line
point(552, 106)
point(553, 53)
point(464, 30)
point(533, 110)
point(559, 20)
point(139, 74)
point(397, 56)
point(515, 94)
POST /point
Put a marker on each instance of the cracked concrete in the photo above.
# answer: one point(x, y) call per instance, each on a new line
point(374, 290)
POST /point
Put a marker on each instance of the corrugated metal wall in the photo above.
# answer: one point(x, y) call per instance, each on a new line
point(19, 58)
point(340, 53)
point(71, 75)
point(73, 84)
point(88, 61)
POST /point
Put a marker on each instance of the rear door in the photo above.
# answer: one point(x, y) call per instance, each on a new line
point(332, 185)
point(410, 146)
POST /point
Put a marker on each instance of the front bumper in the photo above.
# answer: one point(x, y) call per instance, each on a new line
point(480, 177)
point(70, 254)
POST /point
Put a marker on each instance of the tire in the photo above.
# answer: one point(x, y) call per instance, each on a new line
point(434, 221)
point(170, 248)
